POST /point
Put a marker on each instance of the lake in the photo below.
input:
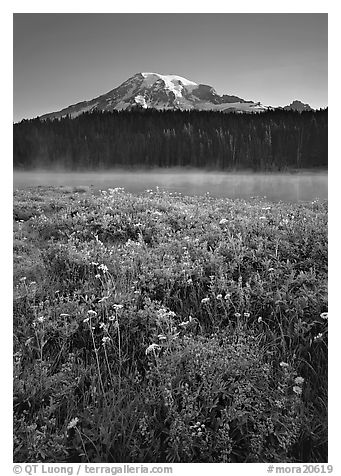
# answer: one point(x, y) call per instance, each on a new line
point(289, 187)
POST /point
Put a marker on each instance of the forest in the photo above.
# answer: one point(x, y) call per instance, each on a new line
point(275, 140)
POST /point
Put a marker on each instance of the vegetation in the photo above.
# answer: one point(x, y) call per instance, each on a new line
point(272, 141)
point(164, 328)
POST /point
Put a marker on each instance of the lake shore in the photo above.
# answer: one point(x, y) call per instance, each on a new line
point(292, 186)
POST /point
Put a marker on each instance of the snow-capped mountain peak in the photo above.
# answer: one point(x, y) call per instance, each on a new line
point(172, 82)
point(160, 91)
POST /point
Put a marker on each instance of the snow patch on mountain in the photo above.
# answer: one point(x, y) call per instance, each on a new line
point(172, 82)
point(141, 101)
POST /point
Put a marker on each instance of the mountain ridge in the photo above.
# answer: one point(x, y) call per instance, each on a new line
point(158, 91)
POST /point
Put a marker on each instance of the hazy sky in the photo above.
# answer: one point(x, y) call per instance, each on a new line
point(62, 59)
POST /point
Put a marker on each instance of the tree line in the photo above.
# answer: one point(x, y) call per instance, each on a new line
point(272, 140)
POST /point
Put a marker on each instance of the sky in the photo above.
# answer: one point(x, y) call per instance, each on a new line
point(61, 59)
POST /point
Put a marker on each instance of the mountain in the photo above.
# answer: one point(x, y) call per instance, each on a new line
point(158, 91)
point(298, 106)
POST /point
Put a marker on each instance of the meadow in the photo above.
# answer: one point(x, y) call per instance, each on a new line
point(165, 328)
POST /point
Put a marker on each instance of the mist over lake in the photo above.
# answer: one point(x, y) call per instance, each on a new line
point(288, 187)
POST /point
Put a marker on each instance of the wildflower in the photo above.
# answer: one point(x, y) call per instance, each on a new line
point(219, 296)
point(223, 221)
point(205, 300)
point(103, 267)
point(86, 319)
point(41, 319)
point(97, 276)
point(284, 365)
point(29, 340)
point(118, 306)
point(297, 390)
point(299, 380)
point(73, 423)
point(319, 335)
point(237, 314)
point(271, 269)
point(92, 313)
point(105, 339)
point(247, 314)
point(260, 319)
point(189, 281)
point(324, 315)
point(94, 263)
point(23, 279)
point(112, 318)
point(227, 296)
point(152, 348)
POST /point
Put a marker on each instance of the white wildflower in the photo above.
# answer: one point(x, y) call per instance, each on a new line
point(219, 296)
point(118, 306)
point(103, 267)
point(297, 390)
point(205, 300)
point(41, 319)
point(283, 364)
point(324, 315)
point(105, 339)
point(247, 314)
point(260, 319)
point(73, 423)
point(152, 348)
point(299, 380)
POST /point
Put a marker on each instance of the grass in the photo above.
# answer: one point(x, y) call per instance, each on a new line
point(164, 328)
